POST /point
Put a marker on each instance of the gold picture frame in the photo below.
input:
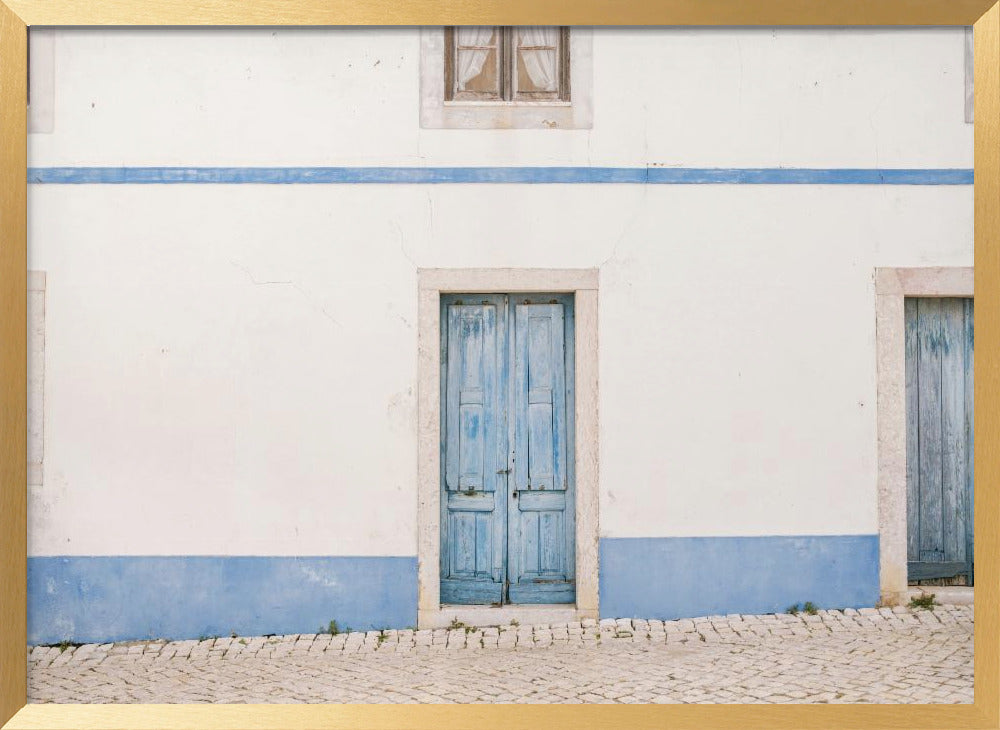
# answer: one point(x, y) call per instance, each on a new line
point(17, 15)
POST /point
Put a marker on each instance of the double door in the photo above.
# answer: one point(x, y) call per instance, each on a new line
point(507, 466)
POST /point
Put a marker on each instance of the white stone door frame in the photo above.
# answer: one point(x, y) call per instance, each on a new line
point(431, 284)
point(892, 285)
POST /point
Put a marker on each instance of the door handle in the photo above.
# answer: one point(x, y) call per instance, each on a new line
point(503, 471)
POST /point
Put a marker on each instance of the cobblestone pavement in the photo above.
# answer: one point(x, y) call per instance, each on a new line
point(872, 655)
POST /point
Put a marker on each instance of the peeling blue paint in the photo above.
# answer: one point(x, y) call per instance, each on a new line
point(521, 175)
point(115, 598)
point(682, 577)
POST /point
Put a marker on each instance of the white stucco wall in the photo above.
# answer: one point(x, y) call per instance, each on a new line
point(231, 369)
point(696, 97)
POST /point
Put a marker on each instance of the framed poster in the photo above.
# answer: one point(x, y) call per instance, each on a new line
point(472, 333)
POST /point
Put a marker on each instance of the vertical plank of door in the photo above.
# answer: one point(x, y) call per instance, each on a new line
point(512, 558)
point(954, 443)
point(912, 429)
point(519, 535)
point(569, 371)
point(929, 328)
point(454, 360)
point(444, 551)
point(501, 446)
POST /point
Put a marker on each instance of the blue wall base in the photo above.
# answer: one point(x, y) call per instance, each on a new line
point(682, 577)
point(116, 598)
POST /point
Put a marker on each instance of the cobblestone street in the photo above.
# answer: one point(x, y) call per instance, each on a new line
point(885, 655)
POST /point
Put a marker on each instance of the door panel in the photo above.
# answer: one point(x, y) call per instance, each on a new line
point(539, 397)
point(541, 549)
point(473, 502)
point(472, 396)
point(939, 471)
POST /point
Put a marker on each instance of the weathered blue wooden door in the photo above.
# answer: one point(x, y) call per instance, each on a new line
point(939, 437)
point(474, 444)
point(541, 525)
point(507, 501)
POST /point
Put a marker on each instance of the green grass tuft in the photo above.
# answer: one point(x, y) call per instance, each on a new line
point(924, 601)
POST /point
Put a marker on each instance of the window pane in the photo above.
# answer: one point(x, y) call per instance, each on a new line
point(475, 36)
point(476, 70)
point(476, 60)
point(537, 59)
point(537, 70)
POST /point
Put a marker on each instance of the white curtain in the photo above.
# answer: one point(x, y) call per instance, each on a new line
point(469, 64)
point(541, 65)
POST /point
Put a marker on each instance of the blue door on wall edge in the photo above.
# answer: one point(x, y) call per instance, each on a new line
point(507, 468)
point(940, 343)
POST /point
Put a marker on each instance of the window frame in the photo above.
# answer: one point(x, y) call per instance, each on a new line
point(507, 77)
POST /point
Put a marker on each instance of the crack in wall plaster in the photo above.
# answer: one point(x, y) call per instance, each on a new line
point(319, 308)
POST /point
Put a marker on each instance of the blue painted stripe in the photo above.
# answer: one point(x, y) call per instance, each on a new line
point(99, 599)
point(679, 577)
point(528, 175)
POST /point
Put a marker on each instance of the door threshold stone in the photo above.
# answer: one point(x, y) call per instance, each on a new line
point(524, 615)
point(956, 595)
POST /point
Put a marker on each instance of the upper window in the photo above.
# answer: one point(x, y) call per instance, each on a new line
point(507, 64)
point(494, 77)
